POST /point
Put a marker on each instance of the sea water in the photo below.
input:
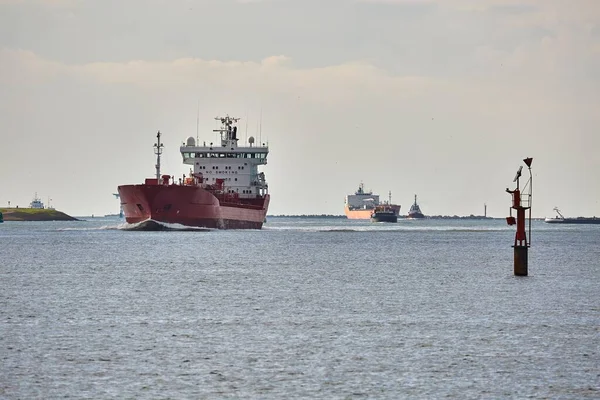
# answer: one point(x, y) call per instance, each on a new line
point(304, 308)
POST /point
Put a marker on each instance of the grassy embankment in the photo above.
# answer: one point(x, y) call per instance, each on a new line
point(34, 214)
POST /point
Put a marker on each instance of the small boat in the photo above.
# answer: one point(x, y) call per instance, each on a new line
point(1, 217)
point(415, 210)
point(384, 213)
point(560, 219)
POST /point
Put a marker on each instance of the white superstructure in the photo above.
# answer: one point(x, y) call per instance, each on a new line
point(36, 202)
point(237, 166)
point(362, 200)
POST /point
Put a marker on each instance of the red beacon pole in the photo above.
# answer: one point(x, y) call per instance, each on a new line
point(521, 202)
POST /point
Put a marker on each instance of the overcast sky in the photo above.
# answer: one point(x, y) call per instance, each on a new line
point(437, 98)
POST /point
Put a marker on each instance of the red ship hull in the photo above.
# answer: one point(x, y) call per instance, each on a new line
point(191, 206)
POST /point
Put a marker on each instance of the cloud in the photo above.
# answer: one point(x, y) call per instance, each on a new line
point(275, 74)
point(520, 83)
point(513, 9)
point(525, 75)
point(337, 86)
point(399, 2)
point(49, 3)
point(546, 12)
point(24, 68)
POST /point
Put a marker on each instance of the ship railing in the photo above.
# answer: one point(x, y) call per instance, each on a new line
point(526, 200)
point(259, 184)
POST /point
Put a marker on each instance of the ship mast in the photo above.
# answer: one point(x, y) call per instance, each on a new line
point(227, 132)
point(158, 147)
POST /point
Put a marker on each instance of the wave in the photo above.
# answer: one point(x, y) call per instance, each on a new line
point(152, 225)
point(92, 228)
point(148, 225)
point(384, 228)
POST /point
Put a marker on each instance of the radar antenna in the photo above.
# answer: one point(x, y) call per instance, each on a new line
point(518, 175)
point(226, 131)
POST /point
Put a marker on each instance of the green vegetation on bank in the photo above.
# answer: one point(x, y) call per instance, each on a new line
point(35, 214)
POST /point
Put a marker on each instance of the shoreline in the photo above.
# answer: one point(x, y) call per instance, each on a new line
point(478, 217)
point(35, 214)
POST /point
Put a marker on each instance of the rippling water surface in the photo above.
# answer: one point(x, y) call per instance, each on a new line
point(305, 308)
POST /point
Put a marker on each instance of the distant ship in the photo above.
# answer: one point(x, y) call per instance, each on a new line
point(384, 213)
point(120, 214)
point(361, 204)
point(415, 210)
point(223, 190)
point(559, 219)
point(36, 202)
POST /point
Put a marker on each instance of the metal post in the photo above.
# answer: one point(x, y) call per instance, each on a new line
point(521, 202)
point(158, 150)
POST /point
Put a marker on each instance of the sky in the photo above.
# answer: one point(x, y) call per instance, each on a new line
point(439, 98)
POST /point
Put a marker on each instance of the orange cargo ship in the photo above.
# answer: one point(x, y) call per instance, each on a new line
point(361, 204)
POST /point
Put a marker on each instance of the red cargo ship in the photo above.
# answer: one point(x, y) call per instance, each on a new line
point(224, 190)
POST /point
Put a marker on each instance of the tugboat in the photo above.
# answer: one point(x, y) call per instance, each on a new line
point(415, 211)
point(386, 212)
